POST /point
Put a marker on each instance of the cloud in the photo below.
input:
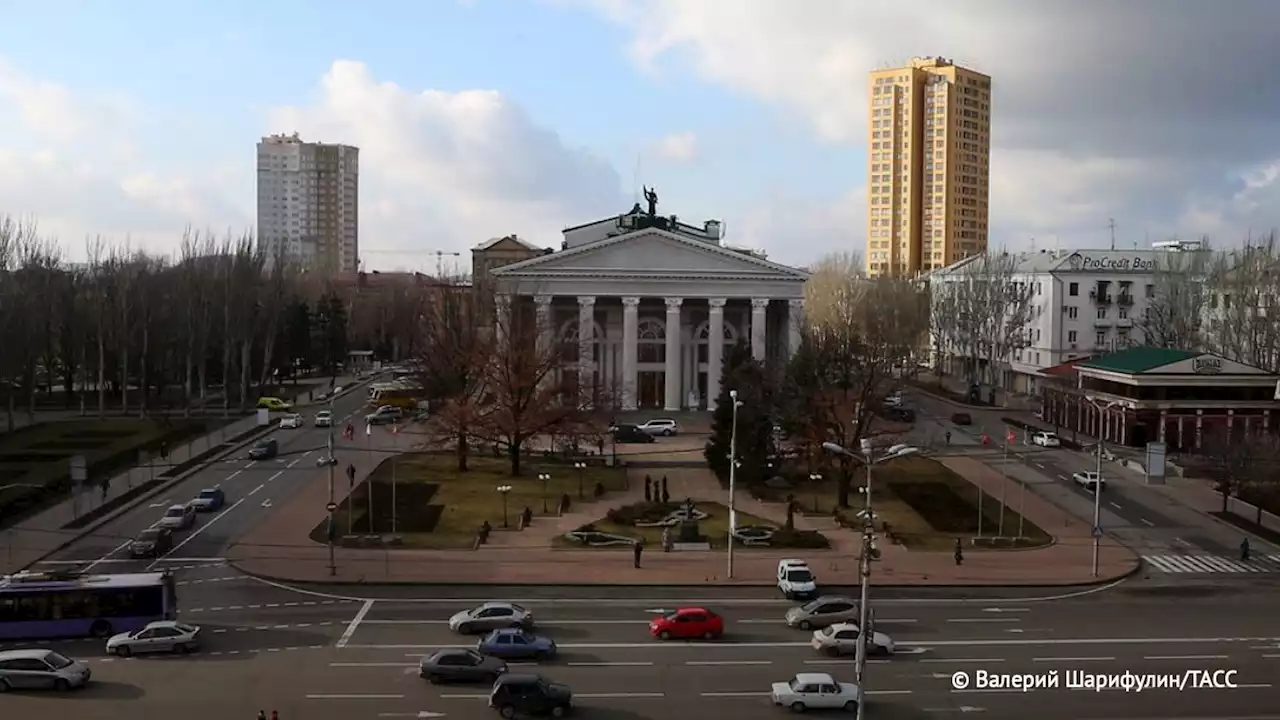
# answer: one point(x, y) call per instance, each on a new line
point(448, 170)
point(1092, 111)
point(679, 147)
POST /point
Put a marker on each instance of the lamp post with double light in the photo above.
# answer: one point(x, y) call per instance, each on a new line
point(503, 490)
point(1102, 406)
point(733, 473)
point(814, 479)
point(546, 483)
point(868, 459)
point(581, 467)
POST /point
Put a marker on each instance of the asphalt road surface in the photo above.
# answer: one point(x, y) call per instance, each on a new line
point(251, 488)
point(321, 658)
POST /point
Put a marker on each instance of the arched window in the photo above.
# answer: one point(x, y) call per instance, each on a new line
point(569, 343)
point(651, 341)
point(730, 339)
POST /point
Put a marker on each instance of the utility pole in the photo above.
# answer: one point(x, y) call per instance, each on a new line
point(332, 506)
point(1111, 225)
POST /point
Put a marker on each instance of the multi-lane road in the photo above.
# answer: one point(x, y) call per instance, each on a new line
point(333, 656)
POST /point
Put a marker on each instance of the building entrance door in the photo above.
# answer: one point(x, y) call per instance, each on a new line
point(651, 387)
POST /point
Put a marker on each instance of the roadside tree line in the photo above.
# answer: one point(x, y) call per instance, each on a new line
point(216, 323)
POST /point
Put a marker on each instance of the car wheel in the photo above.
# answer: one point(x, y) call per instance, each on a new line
point(851, 706)
point(434, 679)
point(708, 635)
point(559, 711)
point(541, 656)
point(124, 651)
point(833, 651)
point(4, 686)
point(797, 707)
point(464, 628)
point(101, 629)
point(186, 648)
point(507, 711)
point(61, 685)
point(668, 433)
point(806, 625)
point(664, 635)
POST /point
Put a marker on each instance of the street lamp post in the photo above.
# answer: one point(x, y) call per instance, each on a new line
point(868, 534)
point(581, 468)
point(546, 481)
point(332, 506)
point(503, 490)
point(814, 479)
point(1101, 406)
point(733, 473)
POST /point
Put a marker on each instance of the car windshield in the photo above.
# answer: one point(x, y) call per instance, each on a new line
point(57, 660)
point(173, 512)
point(262, 445)
point(323, 413)
point(795, 684)
point(208, 494)
point(149, 534)
point(799, 575)
point(474, 658)
point(811, 606)
point(186, 628)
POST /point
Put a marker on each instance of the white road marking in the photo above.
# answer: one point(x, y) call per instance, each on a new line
point(106, 557)
point(984, 620)
point(355, 624)
point(255, 490)
point(1072, 659)
point(962, 660)
point(1185, 657)
point(372, 665)
point(1147, 522)
point(729, 662)
point(1006, 610)
point(355, 697)
point(1115, 505)
point(295, 462)
point(610, 664)
point(1014, 642)
point(197, 532)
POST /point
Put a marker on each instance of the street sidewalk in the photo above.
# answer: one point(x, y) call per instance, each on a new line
point(43, 534)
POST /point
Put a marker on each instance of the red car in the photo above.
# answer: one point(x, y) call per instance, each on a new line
point(688, 623)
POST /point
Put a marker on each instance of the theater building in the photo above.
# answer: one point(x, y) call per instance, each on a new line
point(1147, 394)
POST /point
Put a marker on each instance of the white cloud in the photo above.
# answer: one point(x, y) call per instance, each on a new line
point(679, 147)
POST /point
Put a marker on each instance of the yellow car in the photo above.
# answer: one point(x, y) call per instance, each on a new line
point(274, 404)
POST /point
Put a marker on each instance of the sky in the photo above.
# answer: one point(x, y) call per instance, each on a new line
point(481, 118)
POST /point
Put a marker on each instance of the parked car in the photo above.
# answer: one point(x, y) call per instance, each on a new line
point(826, 610)
point(274, 404)
point(900, 414)
point(893, 400)
point(384, 415)
point(36, 669)
point(162, 636)
point(687, 623)
point(152, 542)
point(796, 580)
point(324, 419)
point(517, 644)
point(843, 638)
point(660, 426)
point(1089, 480)
point(1046, 440)
point(630, 434)
point(264, 449)
point(815, 691)
point(961, 419)
point(292, 421)
point(209, 500)
point(491, 616)
point(520, 694)
point(460, 665)
point(178, 517)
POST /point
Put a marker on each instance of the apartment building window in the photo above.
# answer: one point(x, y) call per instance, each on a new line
point(1073, 312)
point(1102, 313)
point(1071, 336)
point(1151, 291)
point(1124, 313)
point(1037, 288)
point(1037, 334)
point(1100, 339)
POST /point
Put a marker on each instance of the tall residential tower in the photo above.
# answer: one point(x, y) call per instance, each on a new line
point(928, 153)
point(308, 202)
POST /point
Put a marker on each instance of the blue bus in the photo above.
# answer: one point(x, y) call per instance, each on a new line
point(68, 604)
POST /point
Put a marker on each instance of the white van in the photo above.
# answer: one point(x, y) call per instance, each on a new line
point(796, 580)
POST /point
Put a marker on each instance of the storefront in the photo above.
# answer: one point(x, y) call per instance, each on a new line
point(1154, 394)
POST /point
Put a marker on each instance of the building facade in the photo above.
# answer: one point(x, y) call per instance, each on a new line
point(308, 203)
point(651, 303)
point(1083, 303)
point(498, 252)
point(928, 161)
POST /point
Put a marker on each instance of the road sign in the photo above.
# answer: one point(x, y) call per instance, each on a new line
point(79, 470)
point(331, 507)
point(1097, 531)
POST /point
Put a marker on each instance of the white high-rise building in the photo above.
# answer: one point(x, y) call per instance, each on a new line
point(308, 202)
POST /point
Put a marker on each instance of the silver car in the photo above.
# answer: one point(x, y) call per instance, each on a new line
point(39, 669)
point(842, 639)
point(491, 616)
point(826, 610)
point(163, 636)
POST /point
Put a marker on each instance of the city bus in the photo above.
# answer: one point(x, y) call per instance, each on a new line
point(68, 604)
point(407, 396)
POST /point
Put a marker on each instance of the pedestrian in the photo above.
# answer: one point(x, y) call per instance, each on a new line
point(106, 487)
point(638, 549)
point(262, 715)
point(948, 437)
point(666, 539)
point(959, 553)
point(275, 715)
point(1244, 549)
point(351, 474)
point(164, 450)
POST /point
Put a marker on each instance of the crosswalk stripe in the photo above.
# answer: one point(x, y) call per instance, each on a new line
point(1212, 564)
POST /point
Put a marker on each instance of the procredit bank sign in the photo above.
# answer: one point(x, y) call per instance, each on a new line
point(1111, 263)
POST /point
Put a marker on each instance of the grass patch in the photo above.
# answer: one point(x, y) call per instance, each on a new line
point(715, 527)
point(41, 455)
point(438, 507)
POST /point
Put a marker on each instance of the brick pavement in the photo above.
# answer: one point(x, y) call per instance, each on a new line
point(279, 548)
point(27, 542)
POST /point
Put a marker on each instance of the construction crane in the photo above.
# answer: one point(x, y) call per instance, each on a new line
point(440, 256)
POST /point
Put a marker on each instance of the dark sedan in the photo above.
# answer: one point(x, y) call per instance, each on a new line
point(515, 643)
point(461, 665)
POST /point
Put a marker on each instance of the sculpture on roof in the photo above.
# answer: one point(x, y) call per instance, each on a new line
point(651, 196)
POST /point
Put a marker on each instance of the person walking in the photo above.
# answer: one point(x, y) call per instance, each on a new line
point(106, 487)
point(638, 550)
point(262, 715)
point(1244, 550)
point(959, 553)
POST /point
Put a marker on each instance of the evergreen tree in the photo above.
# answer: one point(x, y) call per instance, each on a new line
point(741, 372)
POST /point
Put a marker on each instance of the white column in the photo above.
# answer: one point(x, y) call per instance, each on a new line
point(673, 355)
point(758, 321)
point(501, 316)
point(586, 336)
point(795, 323)
point(715, 350)
point(630, 334)
point(545, 329)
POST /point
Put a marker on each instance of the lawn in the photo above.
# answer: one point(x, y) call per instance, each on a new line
point(438, 507)
point(715, 527)
point(41, 455)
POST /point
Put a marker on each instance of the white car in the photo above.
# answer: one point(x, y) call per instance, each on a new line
point(842, 639)
point(1088, 480)
point(815, 691)
point(292, 420)
point(894, 400)
point(324, 418)
point(660, 426)
point(1046, 439)
point(178, 517)
point(796, 580)
point(163, 636)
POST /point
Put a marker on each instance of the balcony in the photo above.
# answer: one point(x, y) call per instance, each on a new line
point(1100, 298)
point(1124, 322)
point(1103, 322)
point(1124, 299)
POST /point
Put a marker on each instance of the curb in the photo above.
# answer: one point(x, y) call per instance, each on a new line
point(235, 564)
point(954, 403)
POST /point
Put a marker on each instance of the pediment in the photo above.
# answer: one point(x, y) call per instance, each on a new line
point(651, 253)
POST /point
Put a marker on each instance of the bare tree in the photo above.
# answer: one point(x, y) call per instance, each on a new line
point(198, 286)
point(1175, 313)
point(452, 367)
point(1240, 318)
point(1244, 465)
point(984, 310)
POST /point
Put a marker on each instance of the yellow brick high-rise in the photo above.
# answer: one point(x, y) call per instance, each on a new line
point(928, 155)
